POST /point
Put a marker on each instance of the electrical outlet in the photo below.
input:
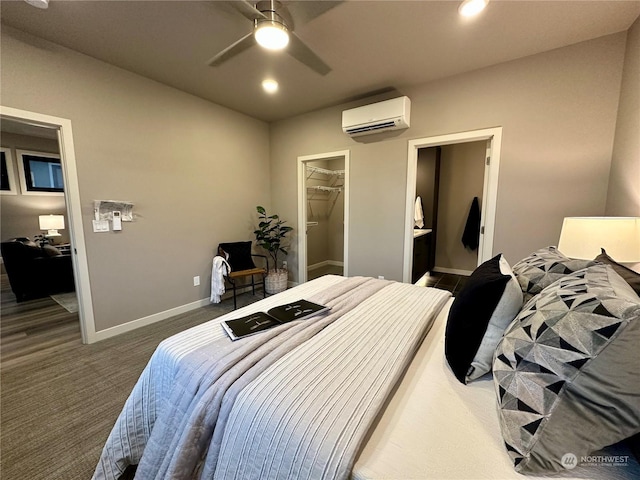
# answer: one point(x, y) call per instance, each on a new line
point(196, 280)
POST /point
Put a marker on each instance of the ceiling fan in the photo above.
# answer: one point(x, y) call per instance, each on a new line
point(273, 22)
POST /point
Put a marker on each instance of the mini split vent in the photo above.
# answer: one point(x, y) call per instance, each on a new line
point(378, 117)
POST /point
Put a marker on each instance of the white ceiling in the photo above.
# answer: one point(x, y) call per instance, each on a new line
point(371, 46)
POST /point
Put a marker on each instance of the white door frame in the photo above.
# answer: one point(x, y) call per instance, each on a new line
point(74, 210)
point(302, 210)
point(489, 192)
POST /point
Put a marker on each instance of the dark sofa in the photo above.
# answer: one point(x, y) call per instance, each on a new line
point(36, 272)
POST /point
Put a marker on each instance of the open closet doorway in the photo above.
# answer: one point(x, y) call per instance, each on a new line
point(323, 183)
point(474, 160)
point(60, 129)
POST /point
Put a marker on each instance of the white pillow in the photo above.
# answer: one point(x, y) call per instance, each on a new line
point(508, 307)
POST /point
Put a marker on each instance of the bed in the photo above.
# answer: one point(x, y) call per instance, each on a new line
point(367, 395)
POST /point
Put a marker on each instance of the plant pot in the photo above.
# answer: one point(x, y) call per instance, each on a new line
point(276, 281)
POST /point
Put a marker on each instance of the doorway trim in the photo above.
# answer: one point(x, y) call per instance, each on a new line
point(74, 210)
point(302, 210)
point(489, 193)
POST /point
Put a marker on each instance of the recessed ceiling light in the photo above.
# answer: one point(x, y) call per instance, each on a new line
point(469, 8)
point(38, 3)
point(271, 35)
point(270, 85)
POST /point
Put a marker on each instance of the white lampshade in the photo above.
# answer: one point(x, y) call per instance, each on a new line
point(271, 35)
point(51, 223)
point(583, 237)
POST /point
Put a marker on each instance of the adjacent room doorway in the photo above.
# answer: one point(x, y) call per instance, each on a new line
point(73, 206)
point(323, 214)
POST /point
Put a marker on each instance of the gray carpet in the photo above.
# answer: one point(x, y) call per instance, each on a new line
point(58, 409)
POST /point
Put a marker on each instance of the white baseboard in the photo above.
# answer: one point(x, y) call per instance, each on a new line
point(148, 320)
point(454, 271)
point(325, 263)
point(157, 317)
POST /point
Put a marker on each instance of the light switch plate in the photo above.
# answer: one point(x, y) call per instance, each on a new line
point(100, 226)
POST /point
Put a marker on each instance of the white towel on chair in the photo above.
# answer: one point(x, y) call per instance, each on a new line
point(418, 215)
point(217, 278)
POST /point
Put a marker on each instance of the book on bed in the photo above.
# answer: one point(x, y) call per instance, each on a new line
point(259, 321)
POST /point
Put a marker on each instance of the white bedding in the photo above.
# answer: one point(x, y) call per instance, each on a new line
point(434, 427)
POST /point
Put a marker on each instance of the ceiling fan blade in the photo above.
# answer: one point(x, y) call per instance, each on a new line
point(232, 50)
point(248, 10)
point(298, 50)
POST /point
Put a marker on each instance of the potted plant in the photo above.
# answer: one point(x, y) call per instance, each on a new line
point(270, 235)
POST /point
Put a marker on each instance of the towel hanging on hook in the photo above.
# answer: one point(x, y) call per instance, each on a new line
point(471, 235)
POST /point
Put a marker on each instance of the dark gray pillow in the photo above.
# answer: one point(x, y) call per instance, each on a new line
point(478, 317)
point(631, 277)
point(542, 268)
point(566, 371)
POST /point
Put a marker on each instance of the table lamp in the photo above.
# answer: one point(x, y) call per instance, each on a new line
point(51, 223)
point(584, 237)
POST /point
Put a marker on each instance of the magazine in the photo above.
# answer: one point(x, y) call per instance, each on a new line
point(259, 321)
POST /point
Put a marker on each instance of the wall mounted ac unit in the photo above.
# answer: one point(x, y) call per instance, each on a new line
point(378, 117)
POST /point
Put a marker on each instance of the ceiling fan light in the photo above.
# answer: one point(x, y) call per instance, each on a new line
point(469, 8)
point(271, 35)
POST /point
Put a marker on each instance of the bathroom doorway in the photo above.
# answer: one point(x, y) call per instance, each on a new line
point(323, 182)
point(491, 140)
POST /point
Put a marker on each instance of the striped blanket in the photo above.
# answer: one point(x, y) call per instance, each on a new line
point(293, 402)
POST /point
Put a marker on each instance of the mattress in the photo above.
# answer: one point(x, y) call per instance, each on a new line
point(434, 427)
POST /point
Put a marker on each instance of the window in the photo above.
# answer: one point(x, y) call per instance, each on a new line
point(8, 183)
point(40, 173)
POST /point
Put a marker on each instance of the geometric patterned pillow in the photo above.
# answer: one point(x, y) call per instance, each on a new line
point(566, 371)
point(542, 268)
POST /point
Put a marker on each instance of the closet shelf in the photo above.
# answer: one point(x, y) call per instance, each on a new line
point(324, 171)
point(323, 188)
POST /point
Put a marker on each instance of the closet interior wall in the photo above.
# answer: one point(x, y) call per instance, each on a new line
point(325, 213)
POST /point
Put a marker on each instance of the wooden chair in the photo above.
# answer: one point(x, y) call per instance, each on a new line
point(239, 257)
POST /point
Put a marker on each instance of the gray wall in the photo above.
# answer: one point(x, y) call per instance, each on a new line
point(558, 112)
point(461, 179)
point(194, 170)
point(20, 212)
point(623, 195)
